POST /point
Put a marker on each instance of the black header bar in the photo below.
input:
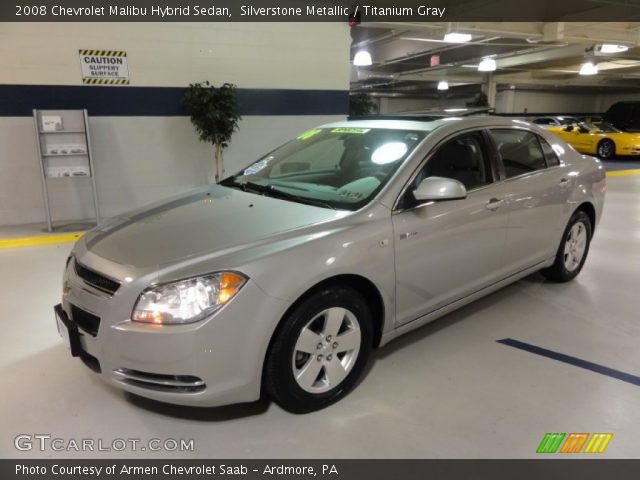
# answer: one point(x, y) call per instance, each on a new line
point(537, 469)
point(318, 10)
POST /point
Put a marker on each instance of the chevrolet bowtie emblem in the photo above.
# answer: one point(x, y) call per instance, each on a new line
point(66, 288)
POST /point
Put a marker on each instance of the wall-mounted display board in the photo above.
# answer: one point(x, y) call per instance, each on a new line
point(64, 148)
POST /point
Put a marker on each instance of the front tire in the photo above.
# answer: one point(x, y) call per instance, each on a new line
point(606, 149)
point(573, 249)
point(320, 351)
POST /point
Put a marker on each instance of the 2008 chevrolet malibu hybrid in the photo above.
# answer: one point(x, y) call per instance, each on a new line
point(282, 278)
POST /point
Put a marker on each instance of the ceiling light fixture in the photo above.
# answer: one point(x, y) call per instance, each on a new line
point(443, 85)
point(362, 59)
point(457, 37)
point(612, 48)
point(588, 68)
point(487, 65)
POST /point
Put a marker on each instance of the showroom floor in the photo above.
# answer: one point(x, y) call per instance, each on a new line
point(446, 390)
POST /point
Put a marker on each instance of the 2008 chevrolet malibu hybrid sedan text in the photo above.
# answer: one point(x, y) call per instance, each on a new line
point(283, 277)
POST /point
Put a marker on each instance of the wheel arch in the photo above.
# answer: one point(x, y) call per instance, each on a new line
point(361, 284)
point(590, 210)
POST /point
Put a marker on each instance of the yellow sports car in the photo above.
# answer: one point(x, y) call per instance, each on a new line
point(599, 139)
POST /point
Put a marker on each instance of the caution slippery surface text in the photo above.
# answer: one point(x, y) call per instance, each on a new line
point(104, 67)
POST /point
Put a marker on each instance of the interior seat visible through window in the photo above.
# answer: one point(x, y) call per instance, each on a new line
point(461, 159)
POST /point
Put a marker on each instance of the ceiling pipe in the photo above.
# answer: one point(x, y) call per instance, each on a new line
point(434, 51)
point(380, 38)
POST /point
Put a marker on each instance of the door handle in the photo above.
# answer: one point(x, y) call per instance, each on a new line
point(493, 204)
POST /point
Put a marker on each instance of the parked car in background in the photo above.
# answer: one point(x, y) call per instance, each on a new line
point(600, 138)
point(554, 120)
point(624, 116)
point(283, 277)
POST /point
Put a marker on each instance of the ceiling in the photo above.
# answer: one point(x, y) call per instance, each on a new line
point(535, 55)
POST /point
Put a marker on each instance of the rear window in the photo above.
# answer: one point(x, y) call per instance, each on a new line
point(549, 155)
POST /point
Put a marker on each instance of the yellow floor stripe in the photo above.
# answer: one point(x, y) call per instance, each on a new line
point(40, 240)
point(623, 173)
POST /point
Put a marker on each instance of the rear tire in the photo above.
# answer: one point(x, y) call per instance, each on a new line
point(573, 249)
point(320, 350)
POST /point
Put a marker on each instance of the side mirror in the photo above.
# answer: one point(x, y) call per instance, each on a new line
point(439, 188)
point(568, 128)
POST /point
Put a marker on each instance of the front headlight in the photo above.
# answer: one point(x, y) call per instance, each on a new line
point(187, 301)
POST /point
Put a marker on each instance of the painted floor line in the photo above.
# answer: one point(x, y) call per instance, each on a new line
point(40, 240)
point(623, 173)
point(575, 361)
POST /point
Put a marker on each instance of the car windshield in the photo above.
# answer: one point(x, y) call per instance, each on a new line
point(605, 127)
point(335, 167)
point(567, 120)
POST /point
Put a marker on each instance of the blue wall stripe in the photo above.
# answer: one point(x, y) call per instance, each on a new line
point(575, 361)
point(20, 100)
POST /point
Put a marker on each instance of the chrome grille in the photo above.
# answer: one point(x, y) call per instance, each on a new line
point(96, 280)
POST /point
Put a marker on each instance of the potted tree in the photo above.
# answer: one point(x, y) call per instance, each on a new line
point(214, 113)
point(361, 103)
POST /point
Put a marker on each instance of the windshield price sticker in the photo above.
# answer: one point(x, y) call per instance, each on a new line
point(309, 133)
point(350, 130)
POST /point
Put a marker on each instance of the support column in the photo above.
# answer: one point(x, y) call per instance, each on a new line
point(489, 89)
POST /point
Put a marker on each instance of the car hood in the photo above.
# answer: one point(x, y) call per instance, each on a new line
point(208, 220)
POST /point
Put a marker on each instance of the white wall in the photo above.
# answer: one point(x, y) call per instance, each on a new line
point(604, 101)
point(509, 101)
point(401, 104)
point(141, 159)
point(252, 55)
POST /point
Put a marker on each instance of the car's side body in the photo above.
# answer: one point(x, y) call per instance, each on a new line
point(471, 247)
point(587, 141)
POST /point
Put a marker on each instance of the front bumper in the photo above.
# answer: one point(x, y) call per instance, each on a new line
point(214, 362)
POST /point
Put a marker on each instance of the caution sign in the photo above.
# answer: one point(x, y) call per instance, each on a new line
point(104, 67)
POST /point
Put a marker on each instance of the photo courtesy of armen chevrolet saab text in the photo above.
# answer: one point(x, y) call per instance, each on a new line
point(282, 278)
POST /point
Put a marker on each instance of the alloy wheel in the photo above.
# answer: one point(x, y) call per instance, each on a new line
point(605, 149)
point(326, 350)
point(575, 246)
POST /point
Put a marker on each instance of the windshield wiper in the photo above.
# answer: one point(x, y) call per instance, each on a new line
point(271, 191)
point(297, 198)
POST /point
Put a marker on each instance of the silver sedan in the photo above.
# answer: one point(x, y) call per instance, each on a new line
point(282, 278)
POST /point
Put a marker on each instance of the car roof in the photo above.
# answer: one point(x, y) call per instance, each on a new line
point(428, 124)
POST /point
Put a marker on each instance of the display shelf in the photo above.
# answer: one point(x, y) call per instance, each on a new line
point(53, 132)
point(68, 176)
point(65, 154)
point(75, 125)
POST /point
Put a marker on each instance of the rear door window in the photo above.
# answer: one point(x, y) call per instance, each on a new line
point(519, 150)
